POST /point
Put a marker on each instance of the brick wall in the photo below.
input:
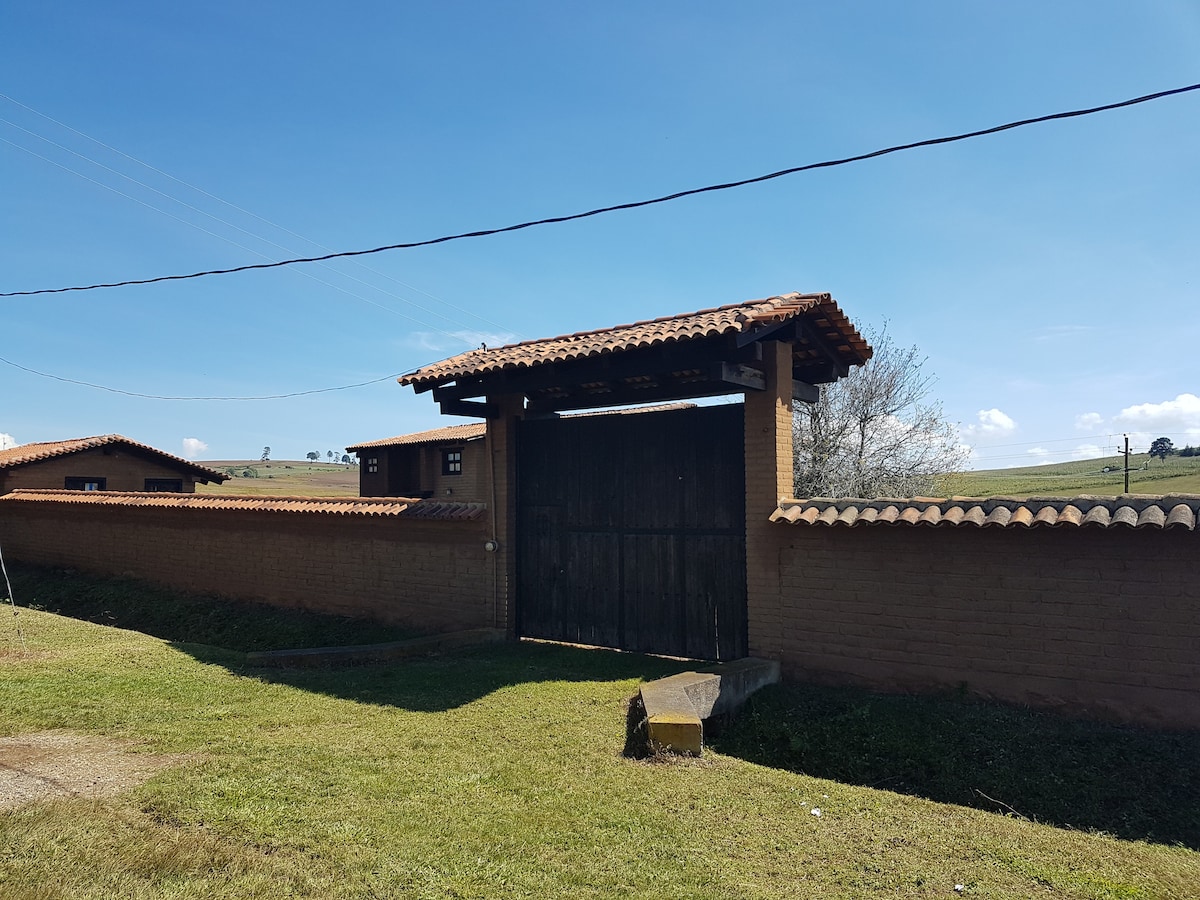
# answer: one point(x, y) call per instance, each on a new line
point(1096, 621)
point(431, 574)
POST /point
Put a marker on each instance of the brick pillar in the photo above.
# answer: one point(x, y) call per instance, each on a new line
point(502, 448)
point(768, 477)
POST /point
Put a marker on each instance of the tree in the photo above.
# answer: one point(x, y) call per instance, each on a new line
point(1162, 448)
point(329, 453)
point(874, 433)
point(314, 455)
point(266, 454)
point(345, 459)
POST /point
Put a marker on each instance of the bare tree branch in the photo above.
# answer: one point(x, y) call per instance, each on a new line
point(874, 433)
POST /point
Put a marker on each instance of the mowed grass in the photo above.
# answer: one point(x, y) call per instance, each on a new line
point(499, 773)
point(190, 618)
point(1175, 475)
point(284, 478)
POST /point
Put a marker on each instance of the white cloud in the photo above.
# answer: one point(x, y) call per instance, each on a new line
point(193, 447)
point(1177, 417)
point(1089, 421)
point(1038, 451)
point(1088, 451)
point(6, 441)
point(992, 423)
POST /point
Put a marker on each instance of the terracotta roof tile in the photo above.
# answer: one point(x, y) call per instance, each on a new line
point(1173, 511)
point(733, 319)
point(450, 433)
point(403, 507)
point(30, 453)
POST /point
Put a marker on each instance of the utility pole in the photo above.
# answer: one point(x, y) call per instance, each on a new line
point(1127, 464)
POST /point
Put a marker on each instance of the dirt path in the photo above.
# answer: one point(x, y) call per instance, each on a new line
point(45, 764)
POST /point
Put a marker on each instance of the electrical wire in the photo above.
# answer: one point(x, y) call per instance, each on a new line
point(247, 212)
point(12, 602)
point(554, 220)
point(452, 335)
point(112, 390)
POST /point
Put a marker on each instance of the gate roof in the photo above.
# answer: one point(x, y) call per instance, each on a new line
point(697, 354)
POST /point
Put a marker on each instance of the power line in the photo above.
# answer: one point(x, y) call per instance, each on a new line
point(247, 212)
point(240, 246)
point(112, 390)
point(554, 220)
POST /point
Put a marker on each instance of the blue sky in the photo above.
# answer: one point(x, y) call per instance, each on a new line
point(1049, 273)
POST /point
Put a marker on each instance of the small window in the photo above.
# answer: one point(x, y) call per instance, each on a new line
point(372, 464)
point(173, 485)
point(80, 483)
point(452, 462)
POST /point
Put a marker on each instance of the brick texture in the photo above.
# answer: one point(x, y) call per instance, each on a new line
point(768, 430)
point(430, 574)
point(1100, 622)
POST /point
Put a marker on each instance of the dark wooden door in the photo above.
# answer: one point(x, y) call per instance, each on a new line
point(631, 531)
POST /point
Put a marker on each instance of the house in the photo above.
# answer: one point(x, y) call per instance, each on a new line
point(108, 462)
point(445, 462)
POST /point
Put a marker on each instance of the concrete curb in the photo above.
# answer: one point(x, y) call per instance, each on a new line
point(677, 706)
point(370, 653)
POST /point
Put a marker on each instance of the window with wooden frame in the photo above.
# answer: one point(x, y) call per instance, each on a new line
point(372, 464)
point(84, 483)
point(452, 461)
point(165, 485)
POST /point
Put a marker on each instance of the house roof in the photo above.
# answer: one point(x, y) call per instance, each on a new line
point(378, 507)
point(32, 453)
point(1172, 511)
point(739, 318)
point(449, 434)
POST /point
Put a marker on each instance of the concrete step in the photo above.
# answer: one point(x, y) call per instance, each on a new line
point(677, 706)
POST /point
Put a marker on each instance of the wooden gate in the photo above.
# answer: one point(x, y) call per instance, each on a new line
point(631, 531)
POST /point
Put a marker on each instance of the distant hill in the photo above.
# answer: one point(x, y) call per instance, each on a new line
point(1177, 475)
point(283, 478)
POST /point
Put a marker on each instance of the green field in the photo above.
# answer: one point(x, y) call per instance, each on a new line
point(283, 478)
point(1175, 475)
point(500, 773)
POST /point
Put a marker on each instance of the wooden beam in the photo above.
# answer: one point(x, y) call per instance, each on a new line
point(806, 328)
point(805, 392)
point(776, 331)
point(471, 408)
point(740, 376)
point(661, 393)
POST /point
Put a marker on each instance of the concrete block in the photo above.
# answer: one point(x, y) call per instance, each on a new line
point(677, 706)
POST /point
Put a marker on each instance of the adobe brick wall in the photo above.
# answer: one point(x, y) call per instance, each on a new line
point(125, 470)
point(430, 574)
point(769, 466)
point(1103, 622)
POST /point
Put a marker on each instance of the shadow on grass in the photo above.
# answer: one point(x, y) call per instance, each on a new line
point(188, 618)
point(1131, 783)
point(220, 631)
point(443, 682)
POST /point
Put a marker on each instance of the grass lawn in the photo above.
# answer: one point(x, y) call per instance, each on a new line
point(283, 478)
point(1174, 475)
point(499, 773)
